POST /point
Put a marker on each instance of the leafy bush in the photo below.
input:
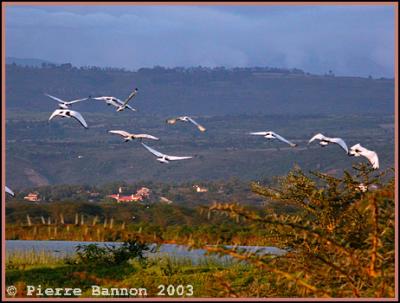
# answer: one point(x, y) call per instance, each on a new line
point(92, 254)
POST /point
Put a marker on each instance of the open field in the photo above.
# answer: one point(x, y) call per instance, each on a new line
point(200, 280)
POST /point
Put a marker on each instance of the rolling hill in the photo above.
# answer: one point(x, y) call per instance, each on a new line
point(201, 91)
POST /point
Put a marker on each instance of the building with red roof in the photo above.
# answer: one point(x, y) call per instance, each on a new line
point(140, 195)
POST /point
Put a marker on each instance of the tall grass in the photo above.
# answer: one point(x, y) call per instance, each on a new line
point(181, 261)
point(69, 232)
point(44, 257)
point(18, 259)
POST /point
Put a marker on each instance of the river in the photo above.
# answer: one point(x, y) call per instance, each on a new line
point(68, 248)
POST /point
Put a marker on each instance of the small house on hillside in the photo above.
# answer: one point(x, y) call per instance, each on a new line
point(121, 198)
point(200, 189)
point(33, 197)
point(140, 195)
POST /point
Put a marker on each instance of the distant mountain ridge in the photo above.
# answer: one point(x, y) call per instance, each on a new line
point(27, 61)
point(200, 90)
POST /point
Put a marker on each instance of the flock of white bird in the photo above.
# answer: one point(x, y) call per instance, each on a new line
point(65, 111)
point(356, 150)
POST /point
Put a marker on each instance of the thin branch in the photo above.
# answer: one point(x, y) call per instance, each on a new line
point(251, 258)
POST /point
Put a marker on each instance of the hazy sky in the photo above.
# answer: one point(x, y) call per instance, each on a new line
point(349, 40)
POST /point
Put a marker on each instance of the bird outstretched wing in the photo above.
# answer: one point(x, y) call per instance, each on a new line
point(55, 113)
point(146, 136)
point(357, 150)
point(200, 127)
point(55, 98)
point(284, 140)
point(78, 117)
point(131, 95)
point(75, 101)
point(258, 133)
point(341, 143)
point(317, 137)
point(373, 158)
point(153, 151)
point(173, 158)
point(130, 107)
point(9, 191)
point(120, 132)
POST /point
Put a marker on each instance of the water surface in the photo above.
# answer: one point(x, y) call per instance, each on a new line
point(68, 248)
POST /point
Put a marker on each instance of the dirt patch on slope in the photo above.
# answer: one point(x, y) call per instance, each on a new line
point(35, 177)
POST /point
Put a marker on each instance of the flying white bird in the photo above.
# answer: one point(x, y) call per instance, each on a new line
point(9, 191)
point(357, 150)
point(119, 104)
point(362, 187)
point(272, 135)
point(186, 119)
point(65, 104)
point(129, 137)
point(69, 113)
point(324, 141)
point(163, 158)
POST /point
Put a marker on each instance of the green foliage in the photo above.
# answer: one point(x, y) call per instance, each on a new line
point(339, 241)
point(92, 254)
point(203, 276)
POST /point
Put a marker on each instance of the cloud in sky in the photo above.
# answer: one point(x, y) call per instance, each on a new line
point(349, 40)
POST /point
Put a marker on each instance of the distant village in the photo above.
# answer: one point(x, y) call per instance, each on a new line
point(141, 195)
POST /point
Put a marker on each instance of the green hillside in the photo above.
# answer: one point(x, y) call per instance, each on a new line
point(200, 91)
point(62, 152)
